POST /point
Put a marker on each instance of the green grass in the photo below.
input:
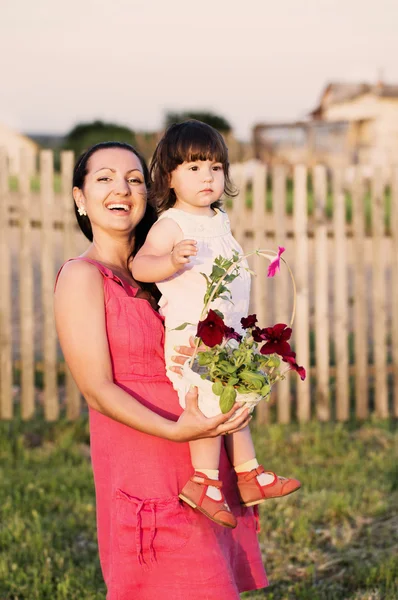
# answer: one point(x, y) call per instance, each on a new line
point(13, 183)
point(367, 199)
point(337, 538)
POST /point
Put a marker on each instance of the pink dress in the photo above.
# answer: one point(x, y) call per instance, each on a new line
point(151, 545)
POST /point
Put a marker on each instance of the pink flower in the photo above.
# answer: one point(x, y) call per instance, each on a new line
point(275, 265)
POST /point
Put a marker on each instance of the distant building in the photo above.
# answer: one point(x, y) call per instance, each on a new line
point(352, 124)
point(14, 144)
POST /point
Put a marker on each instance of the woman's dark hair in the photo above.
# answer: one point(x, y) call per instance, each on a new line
point(79, 175)
point(185, 142)
point(141, 231)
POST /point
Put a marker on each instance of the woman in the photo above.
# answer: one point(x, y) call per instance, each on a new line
point(112, 338)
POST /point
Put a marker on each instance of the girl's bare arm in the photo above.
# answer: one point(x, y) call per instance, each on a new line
point(163, 254)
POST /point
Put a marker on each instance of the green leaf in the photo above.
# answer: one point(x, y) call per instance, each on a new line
point(227, 366)
point(216, 273)
point(207, 279)
point(255, 379)
point(274, 361)
point(205, 358)
point(226, 299)
point(229, 278)
point(217, 388)
point(227, 399)
point(233, 380)
point(219, 313)
point(181, 327)
point(265, 390)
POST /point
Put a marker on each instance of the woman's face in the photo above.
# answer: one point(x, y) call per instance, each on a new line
point(114, 192)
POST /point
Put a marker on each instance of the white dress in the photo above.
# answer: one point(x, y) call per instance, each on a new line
point(182, 294)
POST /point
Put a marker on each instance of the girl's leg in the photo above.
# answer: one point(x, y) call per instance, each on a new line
point(205, 457)
point(199, 492)
point(254, 483)
point(242, 454)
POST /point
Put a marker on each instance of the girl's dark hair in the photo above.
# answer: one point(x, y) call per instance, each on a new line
point(185, 142)
point(141, 231)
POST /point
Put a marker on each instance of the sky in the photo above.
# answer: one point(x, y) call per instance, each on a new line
point(130, 61)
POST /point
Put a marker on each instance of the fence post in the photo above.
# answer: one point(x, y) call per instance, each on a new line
point(280, 285)
point(26, 294)
point(379, 296)
point(238, 215)
point(51, 404)
point(260, 283)
point(73, 399)
point(340, 298)
point(302, 326)
point(394, 286)
point(321, 283)
point(6, 405)
point(360, 295)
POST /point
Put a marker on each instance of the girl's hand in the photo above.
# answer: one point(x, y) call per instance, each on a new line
point(182, 251)
point(186, 352)
point(193, 425)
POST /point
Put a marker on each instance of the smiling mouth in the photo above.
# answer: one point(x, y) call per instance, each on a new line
point(119, 208)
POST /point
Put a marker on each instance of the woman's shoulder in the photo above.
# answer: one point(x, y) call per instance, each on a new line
point(78, 272)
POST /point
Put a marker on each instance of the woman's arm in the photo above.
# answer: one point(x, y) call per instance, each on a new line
point(80, 321)
point(163, 254)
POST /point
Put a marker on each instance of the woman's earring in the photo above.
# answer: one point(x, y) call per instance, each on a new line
point(82, 211)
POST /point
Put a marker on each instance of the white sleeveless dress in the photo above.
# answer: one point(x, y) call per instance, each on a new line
point(182, 294)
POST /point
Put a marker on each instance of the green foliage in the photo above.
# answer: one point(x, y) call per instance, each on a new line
point(84, 135)
point(336, 538)
point(227, 398)
point(216, 121)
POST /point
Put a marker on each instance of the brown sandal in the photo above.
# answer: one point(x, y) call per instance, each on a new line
point(252, 492)
point(194, 494)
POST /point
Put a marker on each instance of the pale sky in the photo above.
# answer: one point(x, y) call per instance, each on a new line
point(129, 61)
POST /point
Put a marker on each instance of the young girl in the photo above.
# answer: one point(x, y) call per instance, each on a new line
point(190, 172)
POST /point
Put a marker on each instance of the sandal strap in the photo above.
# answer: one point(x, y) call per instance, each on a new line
point(202, 480)
point(255, 472)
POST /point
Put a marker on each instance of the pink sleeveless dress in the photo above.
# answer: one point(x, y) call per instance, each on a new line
point(151, 545)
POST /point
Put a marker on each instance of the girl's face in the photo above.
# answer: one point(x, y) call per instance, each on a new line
point(114, 191)
point(197, 185)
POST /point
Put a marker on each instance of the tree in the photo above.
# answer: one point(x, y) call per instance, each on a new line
point(84, 135)
point(216, 121)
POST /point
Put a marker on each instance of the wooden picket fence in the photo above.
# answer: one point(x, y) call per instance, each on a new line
point(346, 271)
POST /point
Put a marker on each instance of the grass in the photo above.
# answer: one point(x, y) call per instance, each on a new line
point(367, 199)
point(335, 539)
point(13, 183)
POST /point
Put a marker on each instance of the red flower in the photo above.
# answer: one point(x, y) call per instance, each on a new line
point(249, 321)
point(258, 334)
point(276, 339)
point(211, 330)
point(231, 334)
point(291, 360)
point(275, 265)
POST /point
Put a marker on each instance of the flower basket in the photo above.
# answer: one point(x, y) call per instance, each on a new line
point(234, 367)
point(209, 403)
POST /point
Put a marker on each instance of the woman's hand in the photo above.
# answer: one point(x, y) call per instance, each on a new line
point(193, 425)
point(186, 352)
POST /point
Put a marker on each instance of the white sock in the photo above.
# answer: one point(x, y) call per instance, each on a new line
point(212, 491)
point(263, 478)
